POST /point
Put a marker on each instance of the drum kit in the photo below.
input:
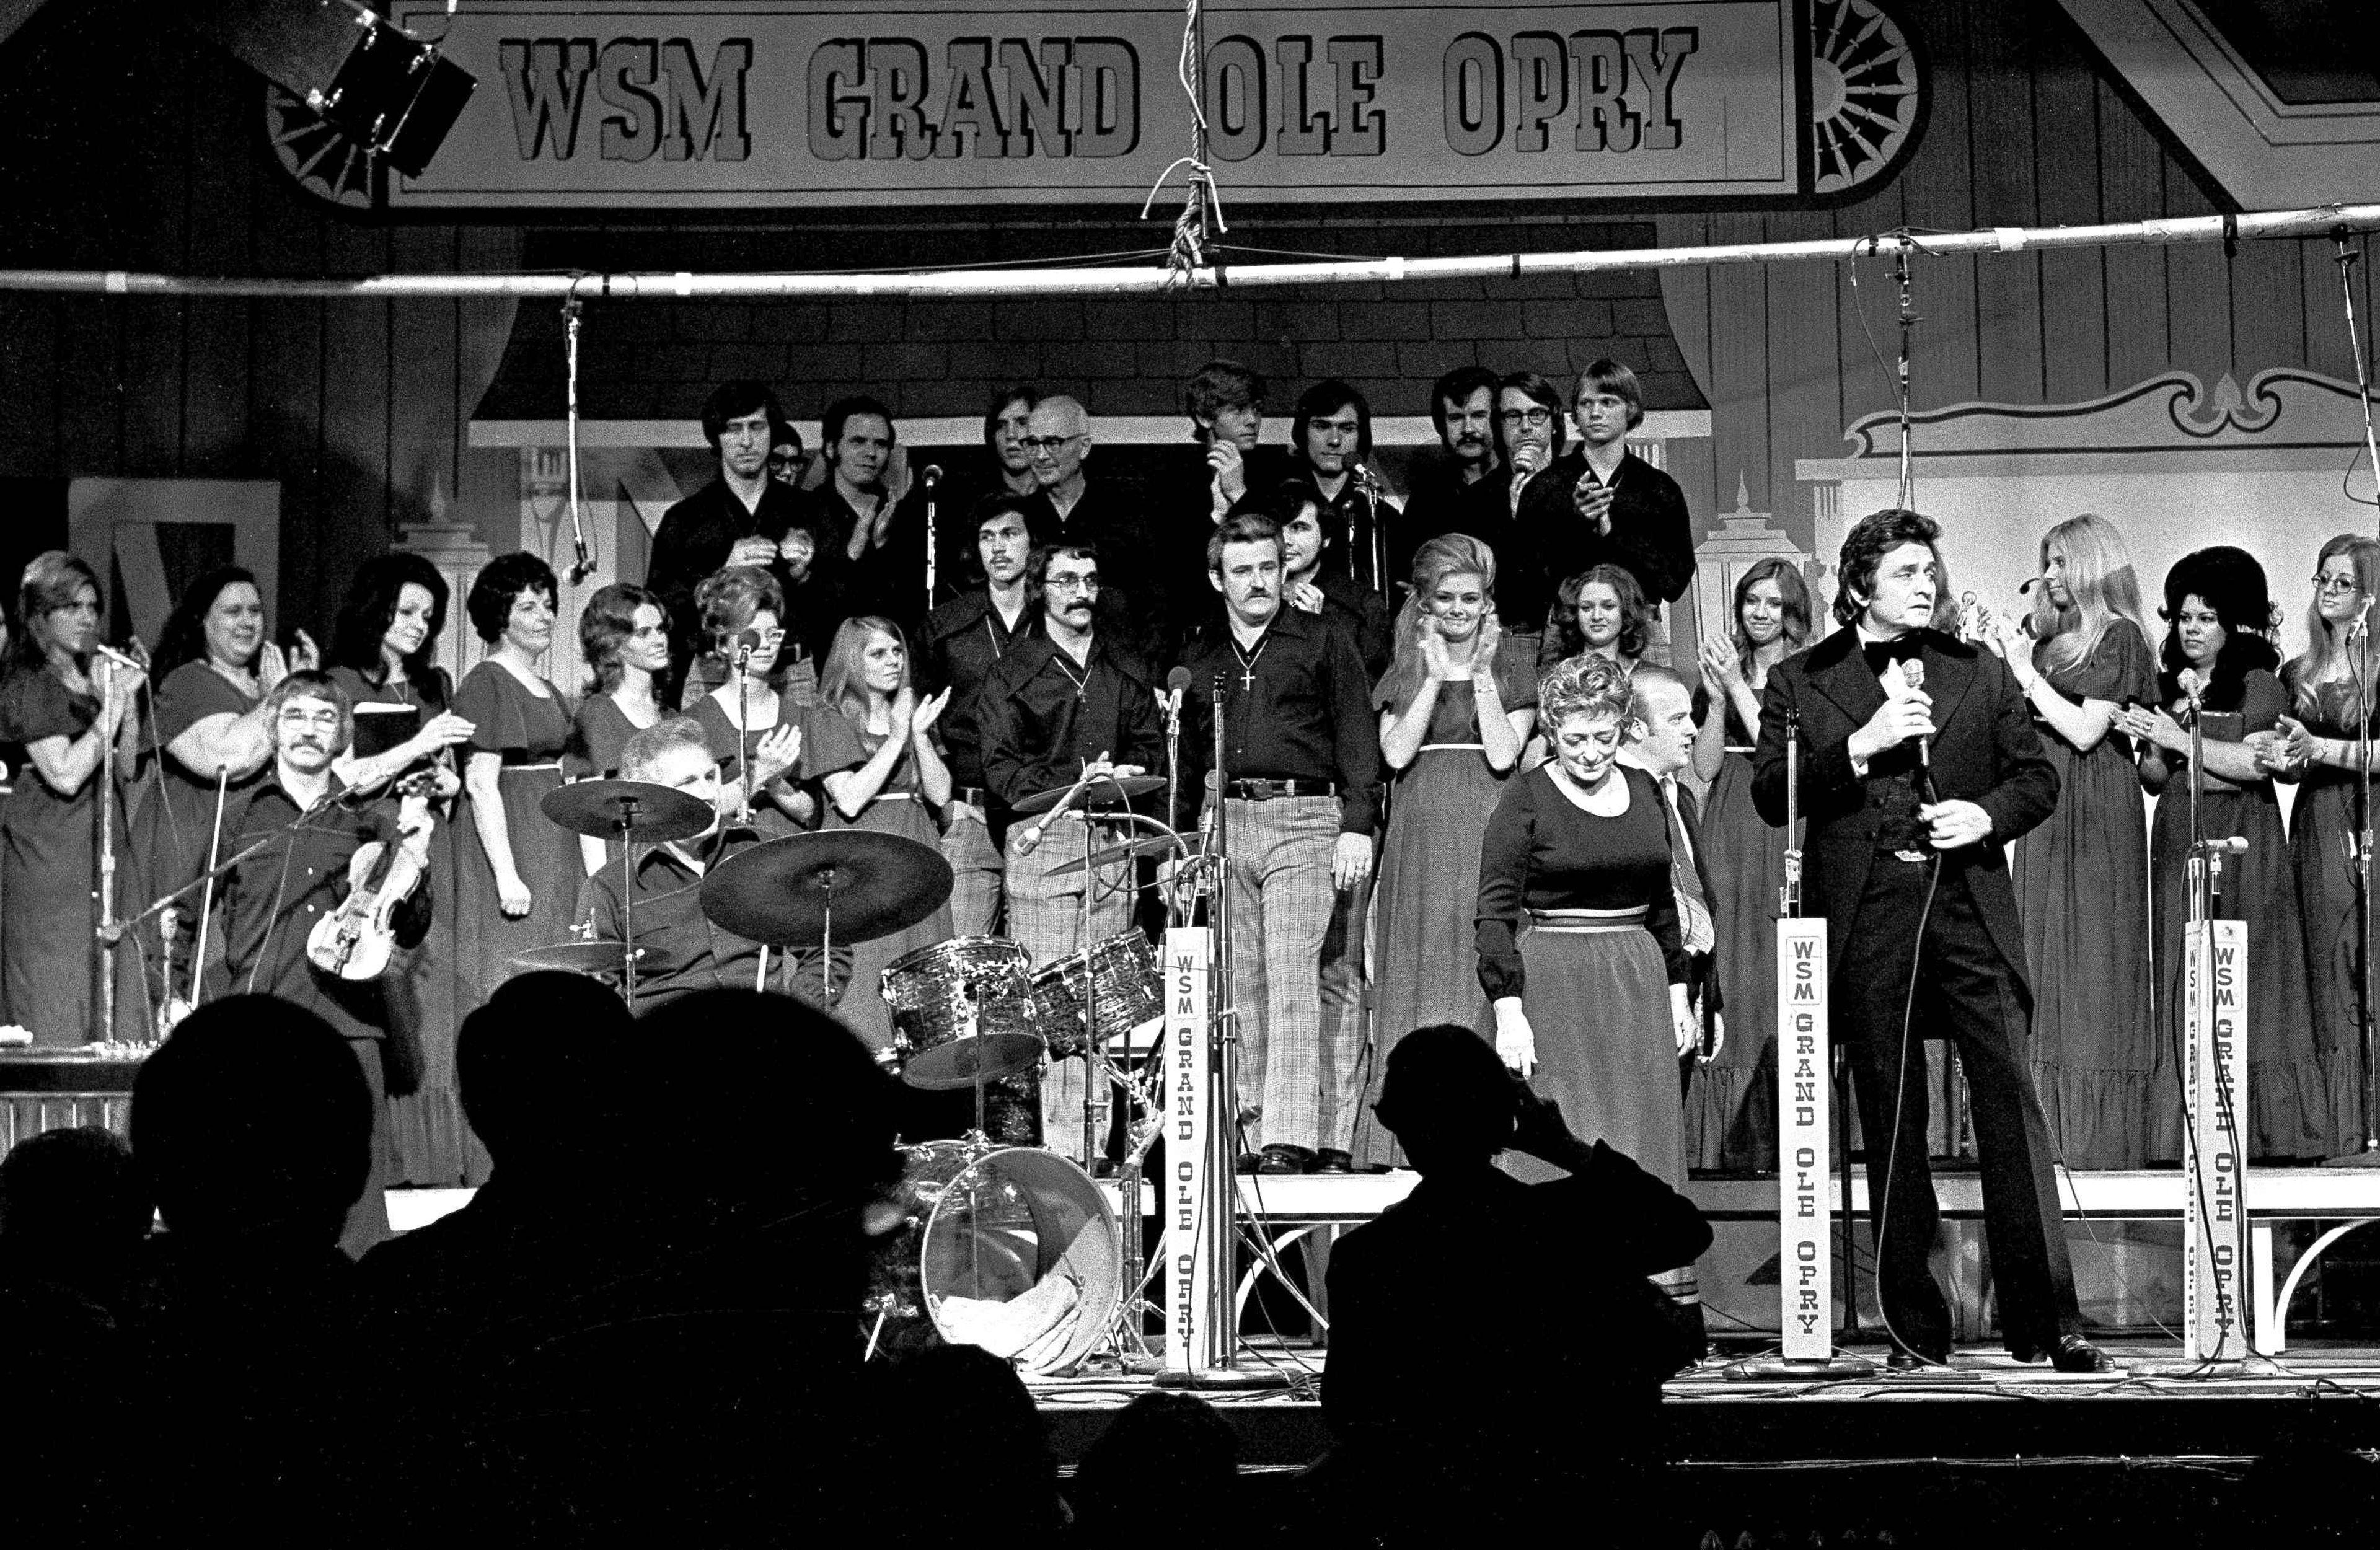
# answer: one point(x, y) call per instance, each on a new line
point(1011, 1248)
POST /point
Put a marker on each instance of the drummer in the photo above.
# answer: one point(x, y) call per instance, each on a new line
point(1063, 701)
point(684, 951)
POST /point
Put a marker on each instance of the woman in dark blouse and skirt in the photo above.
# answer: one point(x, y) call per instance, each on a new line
point(383, 652)
point(2219, 609)
point(518, 884)
point(1579, 946)
point(52, 702)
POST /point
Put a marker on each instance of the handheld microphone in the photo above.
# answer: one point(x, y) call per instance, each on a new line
point(1912, 673)
point(578, 569)
point(2236, 845)
point(120, 659)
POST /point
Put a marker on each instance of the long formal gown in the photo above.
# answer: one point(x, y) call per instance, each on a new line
point(173, 826)
point(1426, 965)
point(598, 731)
point(1732, 1101)
point(1578, 917)
point(2081, 889)
point(528, 731)
point(432, 1146)
point(46, 935)
point(900, 808)
point(2321, 825)
point(2289, 1097)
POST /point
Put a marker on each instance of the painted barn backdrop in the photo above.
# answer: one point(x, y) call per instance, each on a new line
point(127, 140)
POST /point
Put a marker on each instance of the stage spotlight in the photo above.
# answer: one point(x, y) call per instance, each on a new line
point(370, 79)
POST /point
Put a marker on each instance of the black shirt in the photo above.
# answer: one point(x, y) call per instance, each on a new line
point(1297, 707)
point(962, 642)
point(272, 900)
point(1132, 611)
point(888, 579)
point(685, 950)
point(694, 539)
point(1040, 717)
point(1348, 520)
point(1441, 502)
point(1651, 538)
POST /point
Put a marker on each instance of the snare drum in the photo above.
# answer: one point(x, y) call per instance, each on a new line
point(1013, 1249)
point(928, 992)
point(1129, 994)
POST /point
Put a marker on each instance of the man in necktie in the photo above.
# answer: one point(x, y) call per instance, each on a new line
point(1913, 784)
point(1661, 744)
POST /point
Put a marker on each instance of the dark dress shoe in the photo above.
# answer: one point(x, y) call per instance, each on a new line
point(2075, 1355)
point(1903, 1360)
point(1282, 1157)
point(1249, 1162)
point(1332, 1160)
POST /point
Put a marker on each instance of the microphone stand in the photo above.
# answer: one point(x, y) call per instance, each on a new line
point(207, 898)
point(744, 722)
point(1172, 758)
point(102, 999)
point(932, 479)
point(581, 563)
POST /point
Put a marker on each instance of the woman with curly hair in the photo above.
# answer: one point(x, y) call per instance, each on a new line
point(624, 638)
point(519, 885)
point(2220, 615)
point(1456, 708)
point(1731, 1100)
point(1580, 950)
point(751, 716)
point(1602, 611)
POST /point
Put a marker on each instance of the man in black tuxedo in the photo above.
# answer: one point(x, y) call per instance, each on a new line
point(1912, 857)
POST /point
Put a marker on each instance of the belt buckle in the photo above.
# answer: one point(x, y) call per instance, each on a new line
point(1257, 789)
point(1915, 858)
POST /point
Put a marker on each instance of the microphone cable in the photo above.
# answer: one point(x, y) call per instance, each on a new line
point(1899, 1100)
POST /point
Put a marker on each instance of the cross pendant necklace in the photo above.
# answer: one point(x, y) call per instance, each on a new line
point(1082, 685)
point(1248, 663)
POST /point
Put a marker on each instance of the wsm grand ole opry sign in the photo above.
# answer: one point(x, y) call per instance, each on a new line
point(796, 103)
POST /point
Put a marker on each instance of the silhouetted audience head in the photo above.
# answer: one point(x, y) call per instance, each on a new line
point(1162, 1448)
point(536, 1063)
point(1000, 1453)
point(253, 1127)
point(71, 1198)
point(1447, 1096)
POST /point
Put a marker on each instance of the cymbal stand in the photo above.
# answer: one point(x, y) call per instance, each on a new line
point(626, 826)
point(973, 990)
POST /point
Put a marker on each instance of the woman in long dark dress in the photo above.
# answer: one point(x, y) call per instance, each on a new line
point(55, 701)
point(1579, 946)
point(2332, 703)
point(2082, 877)
point(1456, 709)
point(384, 653)
point(214, 665)
point(2218, 608)
point(1732, 1098)
point(519, 885)
point(867, 708)
point(624, 638)
point(761, 719)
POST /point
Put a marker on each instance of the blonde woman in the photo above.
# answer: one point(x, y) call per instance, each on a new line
point(2082, 877)
point(1456, 708)
point(1731, 1102)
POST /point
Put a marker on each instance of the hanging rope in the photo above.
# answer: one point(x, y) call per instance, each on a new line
point(1186, 258)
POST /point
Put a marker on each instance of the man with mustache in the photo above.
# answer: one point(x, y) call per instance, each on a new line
point(273, 899)
point(1444, 490)
point(1062, 701)
point(1301, 796)
point(736, 519)
point(1070, 507)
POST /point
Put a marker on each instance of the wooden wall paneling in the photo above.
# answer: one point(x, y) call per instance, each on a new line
point(421, 407)
point(2073, 282)
point(354, 514)
point(1937, 190)
point(2131, 188)
point(285, 377)
point(91, 385)
point(2198, 289)
point(2001, 113)
point(1864, 311)
point(2319, 303)
point(219, 231)
point(2269, 321)
point(158, 176)
point(1685, 294)
point(1804, 367)
point(1738, 388)
point(28, 341)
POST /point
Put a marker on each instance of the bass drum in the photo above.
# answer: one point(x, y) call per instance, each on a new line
point(1011, 1249)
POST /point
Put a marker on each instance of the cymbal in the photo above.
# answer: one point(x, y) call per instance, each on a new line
point(599, 957)
point(1105, 790)
point(1151, 844)
point(779, 892)
point(629, 809)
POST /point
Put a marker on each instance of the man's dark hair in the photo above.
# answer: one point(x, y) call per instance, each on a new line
point(1036, 564)
point(838, 413)
point(1446, 1092)
point(1617, 379)
point(71, 1189)
point(734, 400)
point(1244, 524)
point(537, 1102)
point(1457, 387)
point(1221, 384)
point(997, 503)
point(1536, 389)
point(999, 404)
point(1325, 398)
point(1864, 546)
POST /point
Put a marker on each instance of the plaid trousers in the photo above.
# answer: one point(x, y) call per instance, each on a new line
point(1297, 1065)
point(1046, 919)
point(976, 872)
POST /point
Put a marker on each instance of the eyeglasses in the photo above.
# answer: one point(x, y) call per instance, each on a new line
point(2336, 584)
point(1043, 443)
point(1086, 584)
point(326, 720)
point(1536, 419)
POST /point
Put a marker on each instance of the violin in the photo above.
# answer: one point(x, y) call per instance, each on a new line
point(356, 940)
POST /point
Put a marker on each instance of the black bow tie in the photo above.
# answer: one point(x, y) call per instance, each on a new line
point(1883, 653)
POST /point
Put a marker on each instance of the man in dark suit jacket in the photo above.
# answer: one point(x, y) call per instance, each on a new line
point(1904, 859)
